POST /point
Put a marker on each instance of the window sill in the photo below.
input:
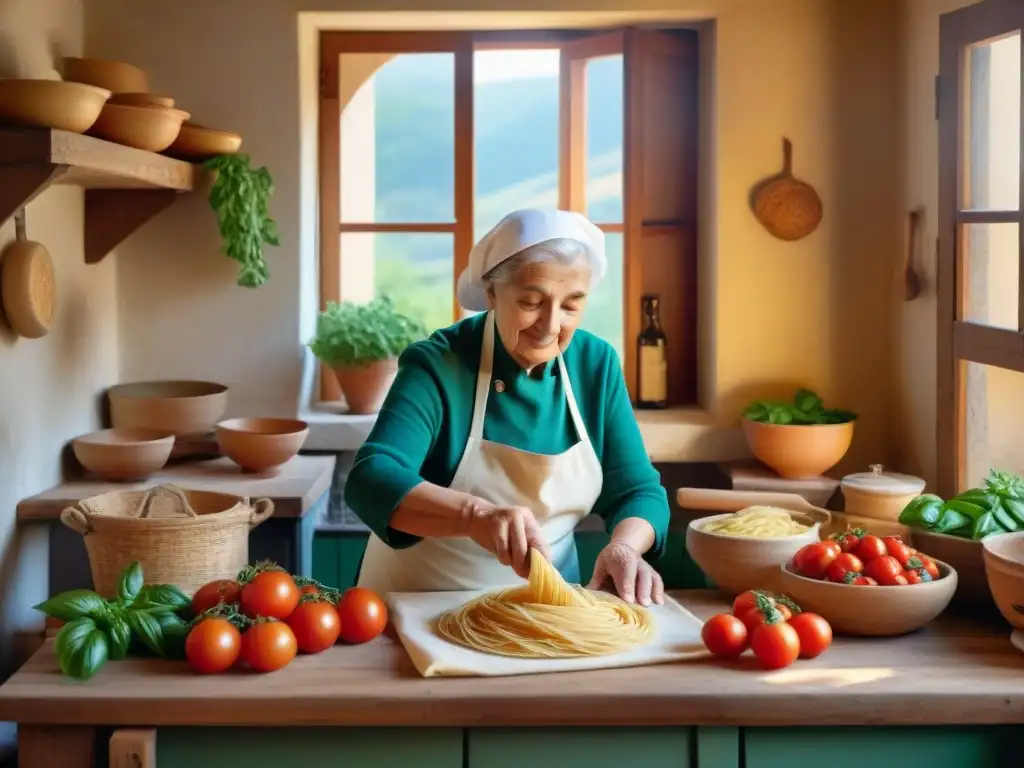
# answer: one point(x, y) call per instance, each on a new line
point(675, 435)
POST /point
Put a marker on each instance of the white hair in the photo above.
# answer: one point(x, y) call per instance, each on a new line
point(563, 251)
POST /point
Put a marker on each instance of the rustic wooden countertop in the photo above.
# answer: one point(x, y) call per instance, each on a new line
point(957, 671)
point(294, 487)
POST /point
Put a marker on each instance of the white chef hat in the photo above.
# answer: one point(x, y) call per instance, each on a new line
point(517, 232)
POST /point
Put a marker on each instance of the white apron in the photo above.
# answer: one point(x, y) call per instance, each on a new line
point(560, 490)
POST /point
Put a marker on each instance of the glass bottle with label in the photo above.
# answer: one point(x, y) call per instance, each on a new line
point(652, 362)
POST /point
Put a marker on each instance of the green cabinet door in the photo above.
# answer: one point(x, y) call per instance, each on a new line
point(584, 747)
point(883, 747)
point(309, 747)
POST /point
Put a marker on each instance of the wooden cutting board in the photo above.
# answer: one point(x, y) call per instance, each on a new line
point(677, 638)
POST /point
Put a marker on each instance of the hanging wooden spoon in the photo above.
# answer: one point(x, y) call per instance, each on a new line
point(911, 282)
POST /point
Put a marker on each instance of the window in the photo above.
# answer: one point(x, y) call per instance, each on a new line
point(428, 139)
point(981, 260)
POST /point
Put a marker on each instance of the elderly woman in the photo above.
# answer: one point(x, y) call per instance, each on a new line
point(505, 430)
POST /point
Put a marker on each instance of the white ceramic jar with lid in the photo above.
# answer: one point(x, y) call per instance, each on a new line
point(879, 494)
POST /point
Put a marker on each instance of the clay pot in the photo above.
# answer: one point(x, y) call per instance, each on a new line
point(366, 386)
point(797, 452)
point(258, 445)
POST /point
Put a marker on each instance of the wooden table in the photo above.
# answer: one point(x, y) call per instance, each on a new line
point(957, 672)
point(299, 490)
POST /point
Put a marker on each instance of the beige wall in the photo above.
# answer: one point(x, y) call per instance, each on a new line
point(48, 387)
point(812, 313)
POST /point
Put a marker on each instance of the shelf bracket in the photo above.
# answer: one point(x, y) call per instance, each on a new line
point(20, 184)
point(111, 215)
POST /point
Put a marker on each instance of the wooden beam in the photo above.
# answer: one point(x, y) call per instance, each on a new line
point(984, 344)
point(384, 226)
point(465, 186)
point(111, 215)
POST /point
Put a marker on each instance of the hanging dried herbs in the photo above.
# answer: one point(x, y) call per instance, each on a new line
point(240, 197)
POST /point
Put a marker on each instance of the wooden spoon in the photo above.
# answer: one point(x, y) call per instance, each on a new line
point(911, 282)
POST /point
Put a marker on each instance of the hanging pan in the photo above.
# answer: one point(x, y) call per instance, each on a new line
point(788, 208)
point(27, 284)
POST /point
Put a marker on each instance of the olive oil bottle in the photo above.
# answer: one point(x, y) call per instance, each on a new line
point(651, 357)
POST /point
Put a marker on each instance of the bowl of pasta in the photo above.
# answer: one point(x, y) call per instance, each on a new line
point(743, 550)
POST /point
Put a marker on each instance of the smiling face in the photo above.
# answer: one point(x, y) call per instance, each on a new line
point(537, 308)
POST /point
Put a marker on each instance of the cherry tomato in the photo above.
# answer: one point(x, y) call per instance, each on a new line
point(755, 616)
point(813, 560)
point(884, 570)
point(929, 566)
point(912, 577)
point(835, 546)
point(308, 589)
point(745, 601)
point(843, 564)
point(869, 548)
point(897, 548)
point(775, 645)
point(213, 646)
point(363, 615)
point(814, 632)
point(271, 594)
point(316, 626)
point(268, 645)
point(216, 592)
point(864, 581)
point(849, 540)
point(724, 635)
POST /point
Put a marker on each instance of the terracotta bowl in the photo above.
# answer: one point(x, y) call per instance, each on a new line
point(197, 142)
point(115, 76)
point(153, 129)
point(738, 563)
point(798, 452)
point(261, 444)
point(51, 104)
point(872, 611)
point(123, 454)
point(183, 408)
point(143, 100)
point(1004, 567)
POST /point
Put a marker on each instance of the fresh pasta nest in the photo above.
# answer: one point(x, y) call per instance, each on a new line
point(547, 618)
point(758, 522)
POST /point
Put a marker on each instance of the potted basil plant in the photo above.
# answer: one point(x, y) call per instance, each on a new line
point(361, 344)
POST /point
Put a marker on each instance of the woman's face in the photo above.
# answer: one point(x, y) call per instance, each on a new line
point(539, 309)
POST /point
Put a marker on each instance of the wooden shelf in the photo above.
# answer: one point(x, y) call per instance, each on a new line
point(125, 187)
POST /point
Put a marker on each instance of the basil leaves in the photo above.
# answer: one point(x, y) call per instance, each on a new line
point(807, 409)
point(142, 618)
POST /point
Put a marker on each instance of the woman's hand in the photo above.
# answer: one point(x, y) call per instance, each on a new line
point(509, 533)
point(634, 578)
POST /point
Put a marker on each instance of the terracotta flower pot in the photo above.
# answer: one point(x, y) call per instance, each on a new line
point(798, 451)
point(366, 386)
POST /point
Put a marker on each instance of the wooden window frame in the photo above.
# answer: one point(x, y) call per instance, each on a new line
point(634, 227)
point(959, 340)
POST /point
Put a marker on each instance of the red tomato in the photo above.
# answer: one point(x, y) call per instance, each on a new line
point(214, 593)
point(864, 581)
point(897, 548)
point(755, 616)
point(900, 581)
point(869, 548)
point(745, 601)
point(308, 589)
point(813, 560)
point(814, 632)
point(912, 577)
point(835, 546)
point(213, 646)
point(843, 564)
point(316, 626)
point(268, 645)
point(271, 594)
point(884, 570)
point(775, 645)
point(929, 566)
point(363, 615)
point(724, 635)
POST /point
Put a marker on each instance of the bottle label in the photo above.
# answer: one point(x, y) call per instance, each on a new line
point(653, 374)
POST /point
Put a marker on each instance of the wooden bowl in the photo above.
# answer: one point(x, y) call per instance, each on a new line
point(50, 104)
point(798, 452)
point(197, 142)
point(261, 444)
point(872, 611)
point(738, 563)
point(965, 556)
point(123, 454)
point(115, 76)
point(150, 128)
point(142, 100)
point(183, 408)
point(1004, 567)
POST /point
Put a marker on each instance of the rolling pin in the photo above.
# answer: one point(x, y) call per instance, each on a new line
point(714, 500)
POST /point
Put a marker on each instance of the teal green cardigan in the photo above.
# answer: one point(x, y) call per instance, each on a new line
point(422, 429)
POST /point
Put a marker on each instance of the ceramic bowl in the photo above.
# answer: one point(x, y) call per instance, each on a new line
point(115, 76)
point(152, 129)
point(261, 444)
point(197, 142)
point(797, 452)
point(872, 611)
point(143, 100)
point(183, 408)
point(965, 556)
point(123, 454)
point(1004, 567)
point(738, 563)
point(51, 104)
